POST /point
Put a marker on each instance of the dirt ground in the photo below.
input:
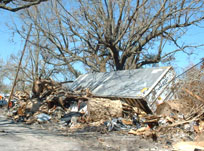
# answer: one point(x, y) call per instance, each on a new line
point(21, 137)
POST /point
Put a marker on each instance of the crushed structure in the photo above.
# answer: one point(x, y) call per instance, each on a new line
point(134, 101)
point(143, 88)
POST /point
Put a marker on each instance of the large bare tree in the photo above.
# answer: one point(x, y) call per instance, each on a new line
point(133, 32)
point(15, 5)
point(114, 34)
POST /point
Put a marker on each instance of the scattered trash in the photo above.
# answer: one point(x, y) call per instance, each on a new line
point(116, 125)
point(69, 117)
point(42, 117)
point(141, 131)
point(3, 103)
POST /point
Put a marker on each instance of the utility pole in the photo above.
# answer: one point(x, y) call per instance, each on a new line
point(19, 65)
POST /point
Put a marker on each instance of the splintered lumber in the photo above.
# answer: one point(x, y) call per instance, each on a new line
point(100, 108)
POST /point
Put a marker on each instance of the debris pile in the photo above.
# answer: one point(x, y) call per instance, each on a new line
point(52, 99)
point(179, 119)
point(49, 101)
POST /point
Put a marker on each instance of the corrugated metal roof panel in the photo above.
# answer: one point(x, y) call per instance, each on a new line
point(126, 83)
point(146, 86)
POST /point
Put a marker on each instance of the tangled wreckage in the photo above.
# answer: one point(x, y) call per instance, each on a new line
point(138, 102)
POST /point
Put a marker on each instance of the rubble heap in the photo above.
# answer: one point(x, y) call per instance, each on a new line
point(51, 102)
point(48, 97)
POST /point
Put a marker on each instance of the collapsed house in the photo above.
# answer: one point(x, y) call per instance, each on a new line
point(118, 101)
point(142, 88)
point(99, 95)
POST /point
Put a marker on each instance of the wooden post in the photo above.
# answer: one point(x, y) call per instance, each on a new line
point(19, 65)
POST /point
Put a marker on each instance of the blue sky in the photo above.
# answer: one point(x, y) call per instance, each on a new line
point(7, 43)
point(10, 45)
point(195, 36)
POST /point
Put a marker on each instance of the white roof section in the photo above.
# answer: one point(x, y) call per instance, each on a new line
point(136, 83)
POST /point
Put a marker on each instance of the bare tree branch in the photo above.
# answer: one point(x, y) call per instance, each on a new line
point(19, 5)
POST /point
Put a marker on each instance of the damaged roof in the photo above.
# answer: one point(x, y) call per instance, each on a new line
point(135, 83)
